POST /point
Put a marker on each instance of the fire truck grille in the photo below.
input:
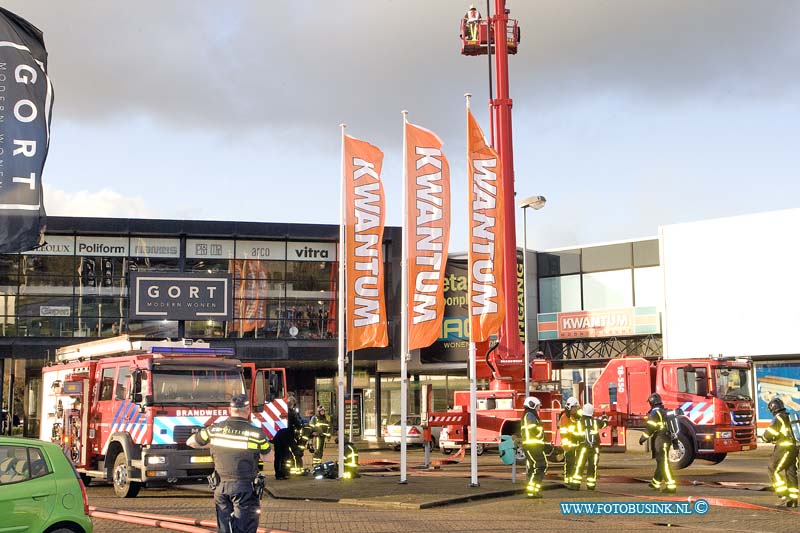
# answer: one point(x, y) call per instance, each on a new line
point(742, 418)
point(181, 433)
point(743, 435)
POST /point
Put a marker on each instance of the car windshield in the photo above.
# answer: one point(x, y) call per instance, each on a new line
point(732, 383)
point(411, 420)
point(208, 386)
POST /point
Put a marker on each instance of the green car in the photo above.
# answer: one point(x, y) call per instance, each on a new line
point(40, 491)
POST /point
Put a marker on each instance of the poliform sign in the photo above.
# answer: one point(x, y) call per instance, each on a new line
point(181, 296)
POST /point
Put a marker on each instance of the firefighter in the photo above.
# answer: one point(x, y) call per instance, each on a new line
point(533, 445)
point(586, 438)
point(783, 466)
point(657, 431)
point(320, 432)
point(472, 18)
point(566, 428)
point(236, 447)
point(284, 439)
point(350, 461)
point(297, 438)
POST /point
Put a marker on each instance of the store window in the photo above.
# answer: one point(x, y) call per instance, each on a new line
point(258, 294)
point(558, 263)
point(648, 286)
point(560, 294)
point(9, 270)
point(607, 290)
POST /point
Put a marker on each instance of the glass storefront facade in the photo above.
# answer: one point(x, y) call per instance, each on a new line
point(600, 277)
point(78, 286)
point(618, 277)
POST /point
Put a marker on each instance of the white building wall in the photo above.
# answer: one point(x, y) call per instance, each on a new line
point(732, 286)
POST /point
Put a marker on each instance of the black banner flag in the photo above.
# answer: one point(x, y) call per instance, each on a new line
point(26, 101)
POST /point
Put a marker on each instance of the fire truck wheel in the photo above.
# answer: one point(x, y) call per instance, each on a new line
point(123, 486)
point(557, 455)
point(683, 455)
point(87, 480)
point(714, 458)
point(479, 448)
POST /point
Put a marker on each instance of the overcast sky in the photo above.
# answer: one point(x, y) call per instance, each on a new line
point(628, 114)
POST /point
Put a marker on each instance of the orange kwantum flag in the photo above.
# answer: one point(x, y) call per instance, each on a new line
point(485, 267)
point(364, 221)
point(428, 208)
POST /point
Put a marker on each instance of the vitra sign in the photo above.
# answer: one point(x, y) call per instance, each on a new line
point(182, 296)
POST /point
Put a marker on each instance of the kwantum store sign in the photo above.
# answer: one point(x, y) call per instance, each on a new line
point(599, 323)
point(186, 296)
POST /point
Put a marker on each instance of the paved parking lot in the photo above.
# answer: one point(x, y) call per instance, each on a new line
point(377, 503)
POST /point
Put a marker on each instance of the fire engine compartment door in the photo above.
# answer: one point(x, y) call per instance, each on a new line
point(85, 408)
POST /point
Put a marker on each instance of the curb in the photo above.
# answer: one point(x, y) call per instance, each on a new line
point(424, 505)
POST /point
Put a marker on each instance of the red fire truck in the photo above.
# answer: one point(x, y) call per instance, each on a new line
point(499, 411)
point(123, 409)
point(713, 394)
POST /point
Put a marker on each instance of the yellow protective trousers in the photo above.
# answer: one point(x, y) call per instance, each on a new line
point(663, 478)
point(536, 465)
point(586, 457)
point(783, 470)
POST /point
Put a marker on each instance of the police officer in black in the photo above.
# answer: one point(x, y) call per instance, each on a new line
point(236, 446)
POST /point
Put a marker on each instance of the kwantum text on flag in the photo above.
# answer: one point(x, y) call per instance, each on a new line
point(429, 233)
point(486, 238)
point(366, 315)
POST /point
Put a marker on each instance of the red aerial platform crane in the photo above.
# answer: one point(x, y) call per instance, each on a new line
point(499, 408)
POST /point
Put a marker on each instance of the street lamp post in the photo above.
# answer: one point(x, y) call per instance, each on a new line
point(536, 203)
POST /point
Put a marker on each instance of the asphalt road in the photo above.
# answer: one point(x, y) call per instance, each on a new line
point(377, 503)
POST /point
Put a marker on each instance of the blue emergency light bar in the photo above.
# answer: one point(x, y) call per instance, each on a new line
point(191, 351)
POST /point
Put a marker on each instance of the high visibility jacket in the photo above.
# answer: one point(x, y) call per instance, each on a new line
point(780, 431)
point(566, 428)
point(656, 422)
point(586, 431)
point(531, 429)
point(350, 455)
point(320, 425)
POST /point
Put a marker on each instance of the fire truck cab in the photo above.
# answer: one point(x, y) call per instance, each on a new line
point(713, 394)
point(122, 409)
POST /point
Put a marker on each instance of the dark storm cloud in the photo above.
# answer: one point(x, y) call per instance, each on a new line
point(234, 66)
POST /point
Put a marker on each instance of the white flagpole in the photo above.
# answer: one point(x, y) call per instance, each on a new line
point(473, 390)
point(404, 314)
point(341, 311)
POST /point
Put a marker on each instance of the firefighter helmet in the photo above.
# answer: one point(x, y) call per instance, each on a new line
point(532, 402)
point(775, 406)
point(588, 409)
point(572, 402)
point(655, 400)
point(239, 401)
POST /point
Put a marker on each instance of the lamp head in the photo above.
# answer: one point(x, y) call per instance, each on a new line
point(535, 202)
